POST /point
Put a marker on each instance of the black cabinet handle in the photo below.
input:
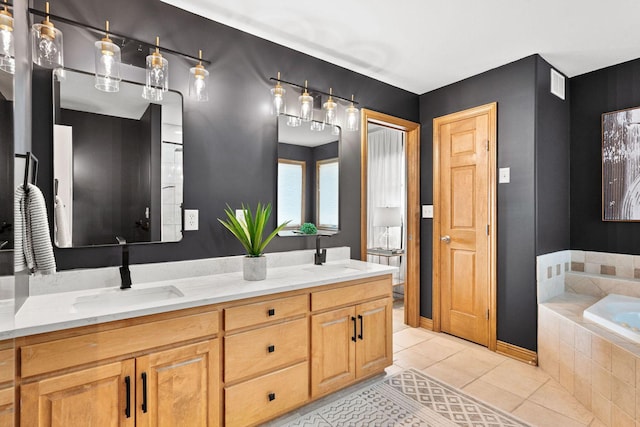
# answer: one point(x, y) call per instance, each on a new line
point(355, 332)
point(144, 392)
point(271, 312)
point(271, 348)
point(361, 326)
point(127, 408)
point(272, 396)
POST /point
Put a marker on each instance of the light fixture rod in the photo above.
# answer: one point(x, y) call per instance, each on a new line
point(313, 90)
point(100, 31)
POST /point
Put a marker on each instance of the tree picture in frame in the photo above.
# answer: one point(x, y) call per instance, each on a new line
point(621, 165)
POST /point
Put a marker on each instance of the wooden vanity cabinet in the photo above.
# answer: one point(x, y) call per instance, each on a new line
point(7, 389)
point(351, 342)
point(174, 387)
point(266, 352)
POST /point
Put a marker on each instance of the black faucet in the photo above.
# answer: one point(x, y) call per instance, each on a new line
point(320, 256)
point(125, 273)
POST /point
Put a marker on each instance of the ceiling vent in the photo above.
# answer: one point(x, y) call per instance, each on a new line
point(557, 84)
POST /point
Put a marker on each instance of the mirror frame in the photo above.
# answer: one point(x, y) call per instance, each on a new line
point(288, 232)
point(56, 95)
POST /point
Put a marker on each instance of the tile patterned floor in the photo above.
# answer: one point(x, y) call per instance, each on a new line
point(525, 391)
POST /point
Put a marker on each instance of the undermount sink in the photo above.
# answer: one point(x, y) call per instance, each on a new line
point(114, 298)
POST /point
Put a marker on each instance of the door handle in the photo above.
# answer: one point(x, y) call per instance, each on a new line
point(446, 239)
point(127, 409)
point(361, 326)
point(355, 330)
point(144, 392)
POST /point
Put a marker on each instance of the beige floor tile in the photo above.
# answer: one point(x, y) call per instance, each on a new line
point(393, 369)
point(553, 396)
point(516, 377)
point(411, 359)
point(493, 395)
point(450, 376)
point(411, 336)
point(596, 423)
point(543, 417)
point(467, 362)
point(436, 349)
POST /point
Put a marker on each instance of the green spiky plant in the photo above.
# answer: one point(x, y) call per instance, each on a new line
point(249, 232)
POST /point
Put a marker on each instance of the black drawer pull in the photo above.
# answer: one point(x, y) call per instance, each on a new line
point(127, 408)
point(271, 348)
point(355, 332)
point(361, 327)
point(271, 312)
point(272, 396)
point(144, 392)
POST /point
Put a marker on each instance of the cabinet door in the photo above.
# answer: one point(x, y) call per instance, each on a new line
point(7, 407)
point(374, 348)
point(92, 397)
point(333, 347)
point(179, 387)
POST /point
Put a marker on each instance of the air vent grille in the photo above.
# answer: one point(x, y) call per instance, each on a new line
point(557, 84)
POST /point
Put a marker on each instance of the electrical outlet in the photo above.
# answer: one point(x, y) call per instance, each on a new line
point(504, 175)
point(190, 219)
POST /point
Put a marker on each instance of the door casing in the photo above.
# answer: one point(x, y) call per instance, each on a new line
point(491, 109)
point(412, 257)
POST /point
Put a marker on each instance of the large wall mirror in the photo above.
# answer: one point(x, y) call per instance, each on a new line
point(308, 177)
point(117, 164)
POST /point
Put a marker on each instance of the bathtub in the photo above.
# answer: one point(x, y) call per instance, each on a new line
point(618, 313)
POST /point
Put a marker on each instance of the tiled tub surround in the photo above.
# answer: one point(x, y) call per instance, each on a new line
point(600, 368)
point(610, 264)
point(550, 274)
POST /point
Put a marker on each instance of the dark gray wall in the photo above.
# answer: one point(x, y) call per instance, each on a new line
point(513, 87)
point(230, 142)
point(552, 164)
point(606, 90)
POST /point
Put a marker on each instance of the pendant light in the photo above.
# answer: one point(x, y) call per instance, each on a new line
point(157, 75)
point(7, 58)
point(316, 126)
point(46, 43)
point(330, 110)
point(107, 55)
point(306, 105)
point(278, 104)
point(198, 81)
point(352, 115)
point(294, 121)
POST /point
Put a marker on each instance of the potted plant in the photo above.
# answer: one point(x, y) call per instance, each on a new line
point(249, 232)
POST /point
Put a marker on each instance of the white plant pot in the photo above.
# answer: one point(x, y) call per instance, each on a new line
point(254, 267)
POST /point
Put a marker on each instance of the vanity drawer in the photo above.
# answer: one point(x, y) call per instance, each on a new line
point(253, 401)
point(92, 347)
point(266, 311)
point(7, 365)
point(264, 349)
point(350, 295)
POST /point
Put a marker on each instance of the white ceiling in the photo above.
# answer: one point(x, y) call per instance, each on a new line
point(421, 45)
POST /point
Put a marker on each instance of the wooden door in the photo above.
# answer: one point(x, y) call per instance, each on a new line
point(374, 348)
point(333, 345)
point(94, 397)
point(464, 216)
point(179, 387)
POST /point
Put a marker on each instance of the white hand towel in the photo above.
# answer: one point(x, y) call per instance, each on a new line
point(63, 237)
point(33, 247)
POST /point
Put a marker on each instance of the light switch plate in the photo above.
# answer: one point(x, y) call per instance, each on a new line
point(427, 211)
point(190, 219)
point(504, 175)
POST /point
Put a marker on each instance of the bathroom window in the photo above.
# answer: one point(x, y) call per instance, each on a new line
point(327, 173)
point(291, 183)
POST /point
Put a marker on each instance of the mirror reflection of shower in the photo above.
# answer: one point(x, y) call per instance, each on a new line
point(172, 179)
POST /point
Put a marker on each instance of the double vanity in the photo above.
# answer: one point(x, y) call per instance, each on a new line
point(205, 350)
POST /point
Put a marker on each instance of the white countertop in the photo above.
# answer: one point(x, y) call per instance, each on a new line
point(51, 312)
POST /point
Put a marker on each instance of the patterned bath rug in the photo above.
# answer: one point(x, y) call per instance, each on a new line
point(408, 398)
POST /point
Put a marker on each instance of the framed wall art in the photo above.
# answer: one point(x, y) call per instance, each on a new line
point(621, 165)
